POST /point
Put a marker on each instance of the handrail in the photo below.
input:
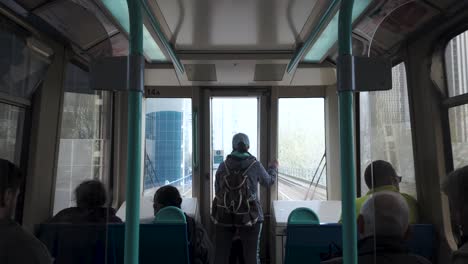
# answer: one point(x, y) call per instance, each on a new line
point(167, 46)
point(315, 174)
point(346, 119)
point(151, 167)
point(195, 159)
point(135, 97)
point(320, 177)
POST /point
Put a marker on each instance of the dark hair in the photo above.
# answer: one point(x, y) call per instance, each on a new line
point(10, 178)
point(379, 173)
point(90, 194)
point(168, 196)
point(455, 187)
point(241, 147)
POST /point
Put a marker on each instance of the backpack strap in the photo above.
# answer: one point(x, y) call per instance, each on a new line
point(228, 171)
point(248, 168)
point(236, 187)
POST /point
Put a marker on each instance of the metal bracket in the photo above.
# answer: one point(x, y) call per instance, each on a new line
point(363, 74)
point(116, 73)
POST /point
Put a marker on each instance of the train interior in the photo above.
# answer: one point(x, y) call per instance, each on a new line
point(214, 68)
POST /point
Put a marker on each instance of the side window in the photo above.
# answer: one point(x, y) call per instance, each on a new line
point(456, 61)
point(84, 147)
point(11, 130)
point(21, 71)
point(385, 130)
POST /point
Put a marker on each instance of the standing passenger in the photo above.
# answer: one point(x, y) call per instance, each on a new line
point(236, 208)
point(16, 245)
point(456, 188)
point(90, 200)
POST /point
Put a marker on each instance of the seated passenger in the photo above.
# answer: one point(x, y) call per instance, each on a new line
point(90, 200)
point(16, 245)
point(200, 246)
point(381, 176)
point(383, 226)
point(456, 188)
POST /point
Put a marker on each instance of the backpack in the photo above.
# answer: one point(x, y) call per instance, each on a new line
point(200, 248)
point(233, 205)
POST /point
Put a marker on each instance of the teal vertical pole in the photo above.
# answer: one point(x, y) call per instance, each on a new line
point(348, 188)
point(135, 94)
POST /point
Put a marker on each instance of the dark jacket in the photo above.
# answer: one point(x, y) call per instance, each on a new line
point(461, 255)
point(18, 246)
point(76, 215)
point(256, 173)
point(383, 250)
point(200, 247)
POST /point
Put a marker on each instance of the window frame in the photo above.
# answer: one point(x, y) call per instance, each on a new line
point(448, 102)
point(108, 151)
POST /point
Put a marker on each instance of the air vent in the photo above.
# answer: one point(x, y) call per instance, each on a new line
point(201, 72)
point(269, 72)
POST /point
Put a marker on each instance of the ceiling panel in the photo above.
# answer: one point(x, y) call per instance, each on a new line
point(115, 46)
point(225, 25)
point(389, 23)
point(31, 4)
point(78, 20)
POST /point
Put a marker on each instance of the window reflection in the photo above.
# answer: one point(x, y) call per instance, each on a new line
point(11, 131)
point(385, 129)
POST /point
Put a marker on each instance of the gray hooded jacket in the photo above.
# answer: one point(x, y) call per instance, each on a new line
point(256, 173)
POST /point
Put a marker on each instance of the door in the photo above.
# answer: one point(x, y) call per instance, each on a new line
point(226, 112)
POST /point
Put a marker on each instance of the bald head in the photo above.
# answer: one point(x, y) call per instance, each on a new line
point(456, 186)
point(384, 214)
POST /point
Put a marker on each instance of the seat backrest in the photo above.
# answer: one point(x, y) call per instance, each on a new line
point(161, 242)
point(170, 214)
point(75, 243)
point(314, 241)
point(297, 249)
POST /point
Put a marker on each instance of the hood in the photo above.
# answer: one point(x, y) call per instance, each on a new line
point(235, 162)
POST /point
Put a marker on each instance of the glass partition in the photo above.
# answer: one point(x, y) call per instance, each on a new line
point(84, 149)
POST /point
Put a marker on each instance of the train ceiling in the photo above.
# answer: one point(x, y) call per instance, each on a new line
point(212, 36)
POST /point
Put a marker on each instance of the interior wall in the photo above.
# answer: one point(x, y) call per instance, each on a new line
point(428, 123)
point(45, 132)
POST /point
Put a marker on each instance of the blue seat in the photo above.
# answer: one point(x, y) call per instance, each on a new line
point(310, 241)
point(300, 248)
point(74, 244)
point(165, 241)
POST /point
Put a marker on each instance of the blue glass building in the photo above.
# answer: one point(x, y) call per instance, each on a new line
point(164, 154)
